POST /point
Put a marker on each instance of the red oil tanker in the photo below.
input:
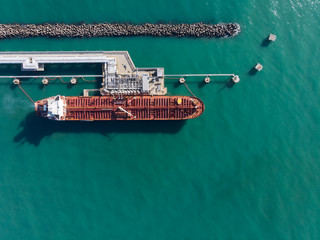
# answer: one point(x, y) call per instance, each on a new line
point(139, 107)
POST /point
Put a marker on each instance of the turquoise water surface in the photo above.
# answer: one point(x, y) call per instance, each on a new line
point(248, 168)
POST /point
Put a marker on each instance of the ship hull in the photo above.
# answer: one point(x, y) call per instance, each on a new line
point(108, 108)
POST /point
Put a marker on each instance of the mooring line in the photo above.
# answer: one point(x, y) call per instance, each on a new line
point(26, 94)
point(189, 90)
point(86, 79)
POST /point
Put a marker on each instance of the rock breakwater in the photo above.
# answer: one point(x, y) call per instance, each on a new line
point(58, 30)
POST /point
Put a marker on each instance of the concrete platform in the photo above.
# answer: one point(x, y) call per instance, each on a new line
point(272, 37)
point(258, 67)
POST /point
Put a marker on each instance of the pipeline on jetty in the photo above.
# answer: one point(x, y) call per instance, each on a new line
point(58, 30)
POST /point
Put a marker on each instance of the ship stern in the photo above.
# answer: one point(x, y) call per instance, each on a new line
point(41, 108)
point(53, 108)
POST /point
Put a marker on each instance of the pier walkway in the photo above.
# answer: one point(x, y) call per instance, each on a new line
point(118, 72)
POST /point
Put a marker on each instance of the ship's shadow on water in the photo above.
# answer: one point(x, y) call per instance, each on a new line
point(33, 128)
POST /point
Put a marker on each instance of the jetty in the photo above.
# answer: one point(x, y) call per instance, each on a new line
point(119, 76)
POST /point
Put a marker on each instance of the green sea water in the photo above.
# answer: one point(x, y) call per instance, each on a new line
point(248, 168)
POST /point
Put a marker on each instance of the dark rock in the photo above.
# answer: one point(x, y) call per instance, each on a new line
point(118, 29)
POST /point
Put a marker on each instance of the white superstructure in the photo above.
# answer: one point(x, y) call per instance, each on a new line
point(56, 108)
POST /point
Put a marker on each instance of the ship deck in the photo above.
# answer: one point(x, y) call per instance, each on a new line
point(132, 108)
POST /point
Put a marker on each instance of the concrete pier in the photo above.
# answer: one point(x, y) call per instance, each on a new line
point(119, 74)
